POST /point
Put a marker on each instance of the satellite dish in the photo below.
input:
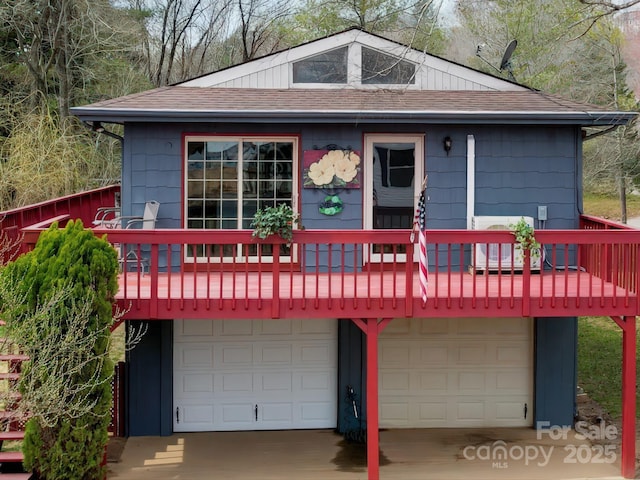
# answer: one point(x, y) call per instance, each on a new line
point(505, 64)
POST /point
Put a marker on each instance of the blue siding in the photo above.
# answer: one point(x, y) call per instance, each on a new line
point(150, 382)
point(517, 169)
point(555, 370)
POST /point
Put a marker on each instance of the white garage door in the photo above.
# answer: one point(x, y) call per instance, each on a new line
point(456, 373)
point(254, 374)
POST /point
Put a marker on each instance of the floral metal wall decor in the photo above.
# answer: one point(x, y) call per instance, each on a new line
point(332, 169)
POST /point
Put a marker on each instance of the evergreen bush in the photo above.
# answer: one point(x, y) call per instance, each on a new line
point(55, 298)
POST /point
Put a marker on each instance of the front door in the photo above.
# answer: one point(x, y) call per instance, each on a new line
point(393, 174)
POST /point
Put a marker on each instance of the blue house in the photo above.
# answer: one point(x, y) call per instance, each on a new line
point(347, 130)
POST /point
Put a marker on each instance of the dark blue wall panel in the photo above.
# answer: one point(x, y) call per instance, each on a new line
point(351, 365)
point(555, 371)
point(517, 168)
point(150, 381)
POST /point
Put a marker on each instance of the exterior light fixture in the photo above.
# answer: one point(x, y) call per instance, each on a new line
point(447, 143)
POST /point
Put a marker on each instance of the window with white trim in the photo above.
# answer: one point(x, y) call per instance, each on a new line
point(229, 178)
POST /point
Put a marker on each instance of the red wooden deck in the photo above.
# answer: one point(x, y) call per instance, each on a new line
point(591, 271)
point(251, 295)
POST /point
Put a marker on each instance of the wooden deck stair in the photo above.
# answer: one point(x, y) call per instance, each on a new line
point(11, 422)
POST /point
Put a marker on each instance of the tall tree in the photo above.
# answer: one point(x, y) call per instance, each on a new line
point(180, 36)
point(53, 45)
point(557, 54)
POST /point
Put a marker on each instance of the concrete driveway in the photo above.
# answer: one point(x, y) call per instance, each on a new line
point(413, 454)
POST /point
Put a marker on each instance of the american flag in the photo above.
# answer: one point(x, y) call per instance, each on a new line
point(421, 223)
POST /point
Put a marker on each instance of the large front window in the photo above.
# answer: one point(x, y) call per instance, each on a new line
point(228, 179)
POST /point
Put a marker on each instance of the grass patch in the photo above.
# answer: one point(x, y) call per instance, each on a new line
point(608, 206)
point(600, 362)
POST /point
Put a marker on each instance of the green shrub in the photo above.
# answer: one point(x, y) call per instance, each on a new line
point(58, 306)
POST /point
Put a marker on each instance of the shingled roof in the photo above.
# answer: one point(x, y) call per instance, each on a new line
point(346, 105)
point(263, 90)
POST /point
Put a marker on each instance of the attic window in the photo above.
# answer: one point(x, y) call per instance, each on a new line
point(386, 69)
point(328, 67)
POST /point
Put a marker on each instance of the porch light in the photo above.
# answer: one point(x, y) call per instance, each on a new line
point(447, 143)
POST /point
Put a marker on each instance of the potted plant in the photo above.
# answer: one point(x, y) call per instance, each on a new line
point(525, 238)
point(277, 220)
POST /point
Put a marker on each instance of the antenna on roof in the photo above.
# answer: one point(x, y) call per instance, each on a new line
point(505, 64)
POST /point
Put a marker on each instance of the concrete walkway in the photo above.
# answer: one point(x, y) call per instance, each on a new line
point(415, 454)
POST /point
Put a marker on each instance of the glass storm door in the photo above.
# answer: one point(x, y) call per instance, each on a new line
point(394, 169)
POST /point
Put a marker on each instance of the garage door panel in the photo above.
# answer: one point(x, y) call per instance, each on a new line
point(196, 330)
point(312, 328)
point(394, 354)
point(279, 413)
point(274, 382)
point(314, 354)
point(508, 411)
point(235, 383)
point(194, 357)
point(433, 355)
point(236, 415)
point(470, 411)
point(275, 327)
point(432, 383)
point(432, 412)
point(471, 354)
point(236, 328)
point(394, 412)
point(469, 383)
point(513, 355)
point(394, 380)
point(474, 327)
point(315, 413)
point(433, 327)
point(198, 414)
point(232, 355)
point(511, 383)
point(473, 372)
point(313, 382)
point(289, 375)
point(194, 383)
point(279, 354)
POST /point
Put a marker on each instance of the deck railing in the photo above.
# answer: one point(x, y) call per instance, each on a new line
point(187, 273)
point(81, 205)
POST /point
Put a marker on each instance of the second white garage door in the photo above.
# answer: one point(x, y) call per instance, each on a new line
point(254, 375)
point(456, 373)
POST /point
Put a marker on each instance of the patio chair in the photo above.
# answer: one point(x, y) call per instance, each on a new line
point(145, 222)
point(105, 217)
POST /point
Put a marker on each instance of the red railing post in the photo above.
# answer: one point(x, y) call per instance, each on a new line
point(409, 282)
point(275, 306)
point(628, 397)
point(526, 283)
point(153, 269)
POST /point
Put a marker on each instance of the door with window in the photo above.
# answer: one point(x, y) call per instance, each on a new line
point(227, 180)
point(393, 174)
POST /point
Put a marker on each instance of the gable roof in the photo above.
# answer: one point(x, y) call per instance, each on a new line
point(261, 89)
point(432, 72)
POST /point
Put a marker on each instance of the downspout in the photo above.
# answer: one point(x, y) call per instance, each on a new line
point(471, 179)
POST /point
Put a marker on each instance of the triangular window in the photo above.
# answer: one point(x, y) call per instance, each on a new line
point(386, 69)
point(328, 67)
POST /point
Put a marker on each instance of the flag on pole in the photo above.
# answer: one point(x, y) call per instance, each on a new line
point(421, 223)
